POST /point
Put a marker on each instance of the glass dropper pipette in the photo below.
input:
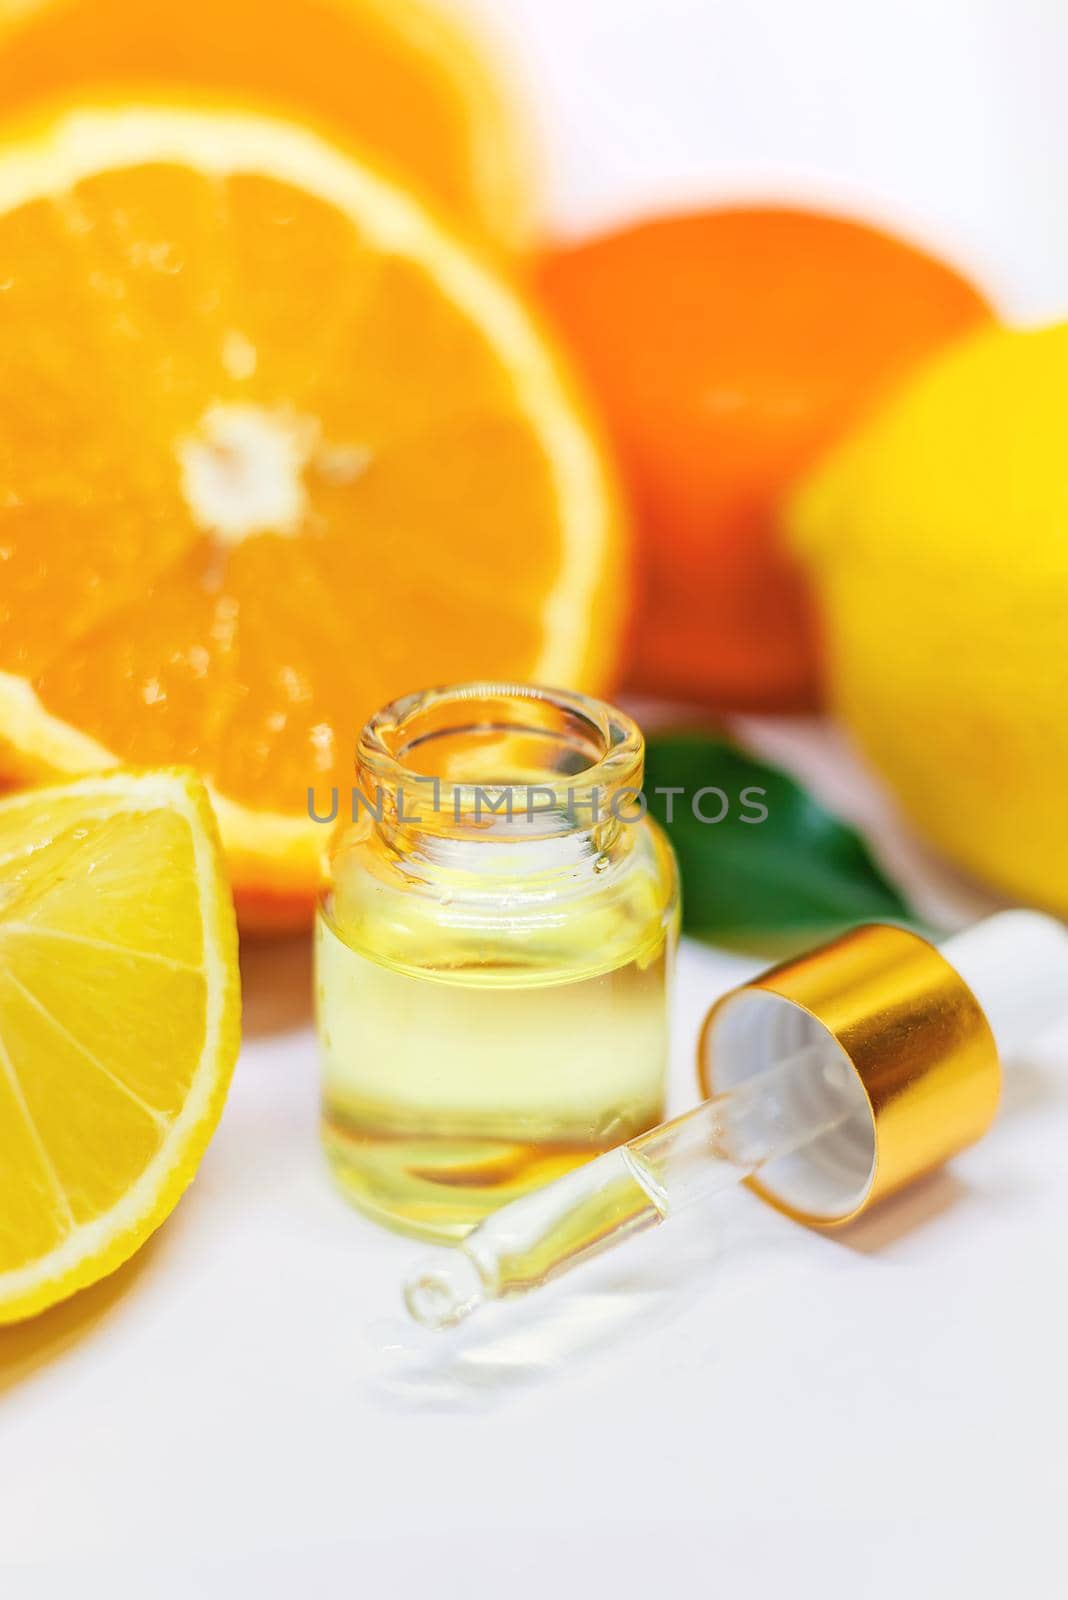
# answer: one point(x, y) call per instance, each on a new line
point(840, 1077)
point(638, 1185)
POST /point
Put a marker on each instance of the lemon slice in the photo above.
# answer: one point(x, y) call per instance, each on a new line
point(119, 1021)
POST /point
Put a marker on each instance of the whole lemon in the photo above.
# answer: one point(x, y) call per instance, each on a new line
point(937, 538)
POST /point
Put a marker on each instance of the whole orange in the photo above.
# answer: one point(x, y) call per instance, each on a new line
point(729, 349)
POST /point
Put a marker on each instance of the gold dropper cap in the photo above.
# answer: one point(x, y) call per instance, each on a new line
point(924, 1054)
point(832, 1081)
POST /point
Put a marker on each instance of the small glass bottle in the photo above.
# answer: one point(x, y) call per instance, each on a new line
point(493, 951)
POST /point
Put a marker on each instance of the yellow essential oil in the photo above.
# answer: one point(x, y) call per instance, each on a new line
point(494, 953)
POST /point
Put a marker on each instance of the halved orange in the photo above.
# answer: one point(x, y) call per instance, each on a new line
point(400, 78)
point(274, 448)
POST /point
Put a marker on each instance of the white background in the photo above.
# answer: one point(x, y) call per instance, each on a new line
point(946, 117)
point(734, 1405)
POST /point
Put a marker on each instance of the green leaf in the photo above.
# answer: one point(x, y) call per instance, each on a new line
point(771, 882)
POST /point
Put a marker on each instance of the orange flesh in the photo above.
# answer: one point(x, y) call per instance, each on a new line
point(405, 85)
point(136, 308)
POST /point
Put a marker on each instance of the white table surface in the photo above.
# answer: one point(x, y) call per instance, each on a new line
point(733, 1405)
point(731, 1400)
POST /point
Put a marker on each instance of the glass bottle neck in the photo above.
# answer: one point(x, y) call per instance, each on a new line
point(452, 773)
point(423, 813)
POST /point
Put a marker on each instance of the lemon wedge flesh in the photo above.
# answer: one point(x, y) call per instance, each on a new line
point(119, 1020)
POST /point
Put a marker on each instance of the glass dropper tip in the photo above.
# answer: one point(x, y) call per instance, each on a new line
point(639, 1184)
point(441, 1295)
